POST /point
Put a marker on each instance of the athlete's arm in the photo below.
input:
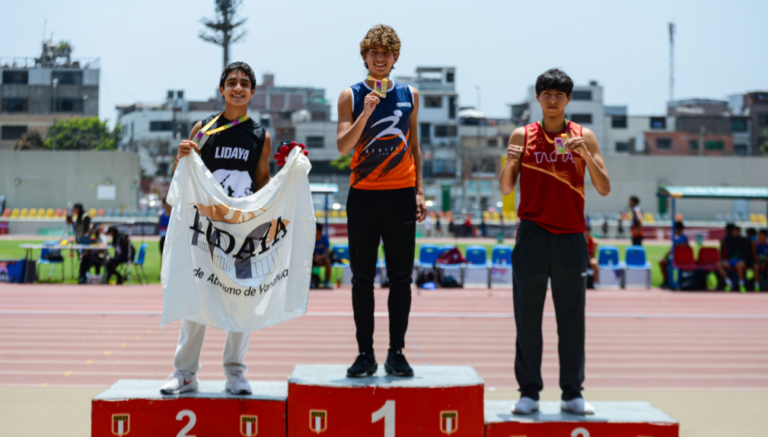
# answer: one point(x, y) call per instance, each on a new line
point(511, 170)
point(349, 130)
point(187, 146)
point(588, 148)
point(261, 176)
point(413, 143)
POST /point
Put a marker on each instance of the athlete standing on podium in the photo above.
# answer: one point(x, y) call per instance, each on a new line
point(550, 240)
point(386, 197)
point(236, 150)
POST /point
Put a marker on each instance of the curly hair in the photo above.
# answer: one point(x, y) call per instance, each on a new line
point(383, 36)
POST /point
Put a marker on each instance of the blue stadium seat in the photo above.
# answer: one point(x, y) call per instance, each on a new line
point(638, 269)
point(501, 265)
point(611, 269)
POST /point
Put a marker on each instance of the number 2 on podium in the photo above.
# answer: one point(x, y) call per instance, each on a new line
point(386, 412)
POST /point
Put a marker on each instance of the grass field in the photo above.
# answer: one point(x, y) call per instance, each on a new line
point(9, 249)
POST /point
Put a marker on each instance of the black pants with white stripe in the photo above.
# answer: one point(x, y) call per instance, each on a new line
point(538, 256)
point(388, 216)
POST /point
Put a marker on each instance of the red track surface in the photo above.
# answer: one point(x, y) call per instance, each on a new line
point(95, 335)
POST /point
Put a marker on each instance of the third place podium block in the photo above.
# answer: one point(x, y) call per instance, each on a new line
point(136, 408)
point(611, 419)
point(438, 400)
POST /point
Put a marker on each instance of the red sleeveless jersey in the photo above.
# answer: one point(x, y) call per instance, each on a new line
point(552, 184)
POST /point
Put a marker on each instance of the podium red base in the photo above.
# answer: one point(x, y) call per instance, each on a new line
point(136, 408)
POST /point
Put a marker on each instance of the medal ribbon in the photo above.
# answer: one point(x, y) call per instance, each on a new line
point(545, 132)
point(203, 134)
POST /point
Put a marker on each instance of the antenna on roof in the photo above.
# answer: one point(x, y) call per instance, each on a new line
point(671, 62)
point(44, 24)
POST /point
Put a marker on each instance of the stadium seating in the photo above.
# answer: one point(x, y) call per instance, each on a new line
point(610, 268)
point(476, 271)
point(92, 212)
point(501, 265)
point(454, 270)
point(7, 213)
point(15, 213)
point(638, 269)
point(682, 262)
point(100, 212)
point(428, 254)
point(58, 213)
point(708, 259)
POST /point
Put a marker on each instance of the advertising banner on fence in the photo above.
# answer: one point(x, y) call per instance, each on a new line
point(238, 264)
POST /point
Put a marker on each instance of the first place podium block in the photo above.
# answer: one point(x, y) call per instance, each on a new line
point(438, 400)
point(136, 408)
point(611, 419)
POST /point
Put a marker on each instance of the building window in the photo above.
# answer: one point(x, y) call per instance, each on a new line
point(619, 121)
point(315, 142)
point(582, 118)
point(451, 108)
point(658, 123)
point(13, 132)
point(450, 76)
point(740, 149)
point(70, 77)
point(714, 145)
point(492, 142)
point(738, 125)
point(762, 120)
point(424, 130)
point(445, 131)
point(582, 95)
point(433, 101)
point(15, 77)
point(693, 144)
point(444, 167)
point(664, 143)
point(622, 146)
point(14, 105)
point(66, 104)
point(160, 126)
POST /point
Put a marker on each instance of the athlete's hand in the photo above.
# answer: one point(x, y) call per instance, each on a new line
point(576, 145)
point(514, 152)
point(421, 208)
point(285, 150)
point(185, 148)
point(371, 101)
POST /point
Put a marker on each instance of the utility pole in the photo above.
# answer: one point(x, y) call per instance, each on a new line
point(54, 82)
point(671, 62)
point(221, 30)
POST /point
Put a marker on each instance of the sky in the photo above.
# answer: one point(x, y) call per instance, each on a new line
point(148, 47)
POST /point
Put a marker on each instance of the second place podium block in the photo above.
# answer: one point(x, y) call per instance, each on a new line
point(439, 400)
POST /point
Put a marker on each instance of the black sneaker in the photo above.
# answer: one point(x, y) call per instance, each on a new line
point(365, 365)
point(396, 364)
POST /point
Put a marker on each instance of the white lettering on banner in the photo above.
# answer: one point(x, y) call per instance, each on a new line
point(552, 157)
point(226, 262)
point(232, 153)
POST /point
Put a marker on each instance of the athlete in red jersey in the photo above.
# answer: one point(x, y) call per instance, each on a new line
point(550, 242)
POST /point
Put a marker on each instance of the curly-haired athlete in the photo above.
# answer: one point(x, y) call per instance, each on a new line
point(386, 197)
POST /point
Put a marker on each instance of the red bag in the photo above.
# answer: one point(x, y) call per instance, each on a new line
point(452, 256)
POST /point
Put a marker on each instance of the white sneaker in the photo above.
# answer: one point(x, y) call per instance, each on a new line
point(525, 405)
point(237, 384)
point(577, 406)
point(179, 382)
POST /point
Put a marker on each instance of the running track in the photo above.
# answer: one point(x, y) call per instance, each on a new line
point(82, 336)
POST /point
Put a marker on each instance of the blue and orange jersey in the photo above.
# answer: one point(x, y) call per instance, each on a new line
point(383, 159)
point(551, 183)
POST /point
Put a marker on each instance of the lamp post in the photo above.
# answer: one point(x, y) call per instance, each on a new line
point(55, 82)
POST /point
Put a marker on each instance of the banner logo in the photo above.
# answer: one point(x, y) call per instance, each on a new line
point(121, 424)
point(318, 420)
point(249, 425)
point(449, 422)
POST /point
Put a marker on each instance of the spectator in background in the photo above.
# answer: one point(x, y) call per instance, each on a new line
point(468, 226)
point(438, 227)
point(751, 235)
point(761, 257)
point(605, 227)
point(678, 239)
point(123, 252)
point(92, 258)
point(428, 225)
point(636, 228)
point(81, 223)
point(736, 252)
point(591, 251)
point(322, 255)
point(483, 227)
point(620, 227)
point(162, 228)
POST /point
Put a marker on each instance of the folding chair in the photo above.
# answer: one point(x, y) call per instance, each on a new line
point(43, 260)
point(138, 265)
point(683, 262)
point(501, 266)
point(610, 268)
point(638, 269)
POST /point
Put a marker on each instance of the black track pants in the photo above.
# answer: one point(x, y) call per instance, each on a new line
point(388, 216)
point(538, 256)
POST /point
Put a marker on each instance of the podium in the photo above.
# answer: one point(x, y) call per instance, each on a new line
point(611, 419)
point(136, 408)
point(439, 400)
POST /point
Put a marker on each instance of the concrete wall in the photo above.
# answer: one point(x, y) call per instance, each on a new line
point(642, 175)
point(52, 179)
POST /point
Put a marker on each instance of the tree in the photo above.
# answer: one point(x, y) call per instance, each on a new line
point(342, 162)
point(221, 30)
point(31, 140)
point(87, 133)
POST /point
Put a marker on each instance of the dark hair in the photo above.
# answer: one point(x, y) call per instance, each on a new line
point(112, 230)
point(763, 232)
point(751, 231)
point(679, 225)
point(554, 79)
point(80, 212)
point(319, 227)
point(729, 227)
point(238, 66)
point(635, 199)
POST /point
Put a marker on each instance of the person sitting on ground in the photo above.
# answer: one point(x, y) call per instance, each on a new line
point(679, 239)
point(736, 254)
point(123, 252)
point(322, 255)
point(591, 255)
